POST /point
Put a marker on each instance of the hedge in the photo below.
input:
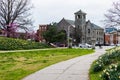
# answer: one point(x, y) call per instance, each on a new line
point(19, 44)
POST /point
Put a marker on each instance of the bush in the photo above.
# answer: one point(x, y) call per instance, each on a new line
point(97, 67)
point(111, 73)
point(108, 65)
point(18, 44)
point(106, 59)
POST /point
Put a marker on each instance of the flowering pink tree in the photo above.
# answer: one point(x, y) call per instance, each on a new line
point(11, 30)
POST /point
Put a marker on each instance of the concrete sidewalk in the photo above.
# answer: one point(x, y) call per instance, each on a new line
point(30, 50)
point(73, 69)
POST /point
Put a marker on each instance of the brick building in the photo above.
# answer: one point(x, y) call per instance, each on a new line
point(40, 31)
point(111, 36)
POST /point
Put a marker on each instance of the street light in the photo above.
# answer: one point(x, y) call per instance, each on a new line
point(68, 36)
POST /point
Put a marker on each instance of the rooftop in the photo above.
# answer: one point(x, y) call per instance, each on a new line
point(96, 26)
point(72, 22)
point(80, 12)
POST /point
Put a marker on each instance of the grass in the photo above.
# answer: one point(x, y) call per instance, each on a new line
point(95, 76)
point(17, 65)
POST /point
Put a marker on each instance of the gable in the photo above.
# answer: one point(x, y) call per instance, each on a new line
point(66, 22)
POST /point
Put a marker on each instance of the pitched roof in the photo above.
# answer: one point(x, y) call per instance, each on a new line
point(96, 26)
point(80, 12)
point(93, 25)
point(70, 22)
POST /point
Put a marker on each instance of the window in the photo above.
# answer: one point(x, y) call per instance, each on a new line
point(98, 33)
point(88, 30)
point(79, 16)
point(40, 28)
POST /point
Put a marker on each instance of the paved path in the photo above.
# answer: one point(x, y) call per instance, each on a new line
point(73, 69)
point(30, 50)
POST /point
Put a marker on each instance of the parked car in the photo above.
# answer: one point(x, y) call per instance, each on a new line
point(112, 44)
point(117, 44)
point(81, 45)
point(88, 45)
point(58, 44)
point(85, 45)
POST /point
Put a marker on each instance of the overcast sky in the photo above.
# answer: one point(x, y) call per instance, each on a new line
point(48, 11)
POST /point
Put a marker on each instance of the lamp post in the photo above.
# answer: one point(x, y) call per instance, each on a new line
point(69, 39)
point(68, 36)
point(93, 42)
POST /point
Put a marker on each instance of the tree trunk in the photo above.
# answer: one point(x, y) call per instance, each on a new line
point(8, 32)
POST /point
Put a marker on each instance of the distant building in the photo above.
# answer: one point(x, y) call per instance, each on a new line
point(19, 35)
point(40, 31)
point(66, 25)
point(111, 36)
point(81, 30)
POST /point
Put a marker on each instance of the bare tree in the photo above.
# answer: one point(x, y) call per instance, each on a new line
point(113, 15)
point(15, 12)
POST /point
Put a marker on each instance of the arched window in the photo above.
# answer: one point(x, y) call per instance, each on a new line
point(79, 16)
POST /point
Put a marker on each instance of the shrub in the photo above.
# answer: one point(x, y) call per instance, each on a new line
point(106, 59)
point(108, 65)
point(97, 67)
point(111, 73)
point(18, 44)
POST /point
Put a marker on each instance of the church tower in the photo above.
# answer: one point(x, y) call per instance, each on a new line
point(80, 21)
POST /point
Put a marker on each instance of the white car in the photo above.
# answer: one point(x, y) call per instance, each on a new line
point(112, 44)
point(88, 45)
point(81, 45)
point(85, 45)
point(117, 44)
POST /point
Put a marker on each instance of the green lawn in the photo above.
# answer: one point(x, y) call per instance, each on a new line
point(17, 65)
